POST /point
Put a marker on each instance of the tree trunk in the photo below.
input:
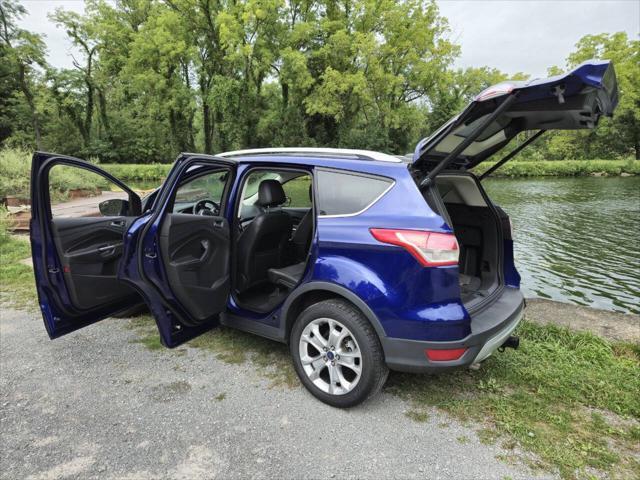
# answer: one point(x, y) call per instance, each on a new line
point(34, 114)
point(102, 106)
point(285, 96)
point(222, 139)
point(208, 131)
point(175, 134)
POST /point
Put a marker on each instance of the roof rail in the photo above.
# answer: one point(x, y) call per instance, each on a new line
point(328, 152)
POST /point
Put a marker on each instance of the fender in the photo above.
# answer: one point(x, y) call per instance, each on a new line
point(312, 286)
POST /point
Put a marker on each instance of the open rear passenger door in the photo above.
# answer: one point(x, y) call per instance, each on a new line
point(77, 245)
point(178, 255)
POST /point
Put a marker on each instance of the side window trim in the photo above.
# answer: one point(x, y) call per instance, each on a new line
point(355, 174)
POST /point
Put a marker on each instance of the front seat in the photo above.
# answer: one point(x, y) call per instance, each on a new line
point(262, 244)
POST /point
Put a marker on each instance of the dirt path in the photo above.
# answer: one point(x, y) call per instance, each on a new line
point(84, 206)
point(95, 405)
point(79, 207)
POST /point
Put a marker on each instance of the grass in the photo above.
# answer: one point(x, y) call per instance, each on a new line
point(15, 177)
point(153, 172)
point(572, 399)
point(417, 415)
point(563, 168)
point(230, 346)
point(16, 279)
point(15, 165)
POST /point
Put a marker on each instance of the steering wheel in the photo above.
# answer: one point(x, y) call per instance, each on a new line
point(206, 207)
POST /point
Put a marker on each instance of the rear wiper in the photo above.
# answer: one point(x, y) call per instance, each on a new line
point(511, 154)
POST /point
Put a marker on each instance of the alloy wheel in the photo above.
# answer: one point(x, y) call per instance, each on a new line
point(330, 356)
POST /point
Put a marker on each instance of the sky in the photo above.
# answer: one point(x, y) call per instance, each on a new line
point(512, 35)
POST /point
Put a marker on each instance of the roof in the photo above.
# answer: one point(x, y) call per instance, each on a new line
point(316, 152)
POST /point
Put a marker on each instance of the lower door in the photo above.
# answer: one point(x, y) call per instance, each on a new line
point(180, 261)
point(195, 253)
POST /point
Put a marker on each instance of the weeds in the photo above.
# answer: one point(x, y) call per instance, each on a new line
point(15, 171)
point(231, 346)
point(16, 278)
point(542, 397)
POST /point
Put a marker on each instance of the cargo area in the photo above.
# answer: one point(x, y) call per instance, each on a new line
point(477, 228)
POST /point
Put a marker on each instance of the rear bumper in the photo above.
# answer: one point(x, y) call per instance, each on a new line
point(489, 330)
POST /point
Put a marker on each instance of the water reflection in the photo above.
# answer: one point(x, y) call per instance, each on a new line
point(576, 239)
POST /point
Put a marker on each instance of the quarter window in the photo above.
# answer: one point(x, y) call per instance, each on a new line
point(347, 194)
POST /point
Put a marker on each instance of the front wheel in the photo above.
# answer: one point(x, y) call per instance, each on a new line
point(337, 354)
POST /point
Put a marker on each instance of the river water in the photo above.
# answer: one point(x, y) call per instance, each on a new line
point(576, 239)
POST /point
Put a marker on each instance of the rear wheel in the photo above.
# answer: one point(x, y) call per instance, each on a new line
point(337, 354)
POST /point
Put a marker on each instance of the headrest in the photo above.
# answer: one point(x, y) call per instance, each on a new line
point(270, 193)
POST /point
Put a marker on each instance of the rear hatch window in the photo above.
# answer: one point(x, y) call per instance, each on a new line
point(574, 100)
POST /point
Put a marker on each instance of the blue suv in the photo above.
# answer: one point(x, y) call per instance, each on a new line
point(361, 261)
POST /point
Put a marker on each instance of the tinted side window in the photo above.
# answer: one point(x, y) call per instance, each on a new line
point(345, 193)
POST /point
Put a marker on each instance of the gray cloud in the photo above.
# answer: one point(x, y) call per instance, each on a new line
point(530, 36)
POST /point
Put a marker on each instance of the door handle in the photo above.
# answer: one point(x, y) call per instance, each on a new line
point(107, 249)
point(218, 223)
point(117, 223)
point(191, 260)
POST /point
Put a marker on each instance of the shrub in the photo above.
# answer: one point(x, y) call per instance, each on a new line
point(15, 172)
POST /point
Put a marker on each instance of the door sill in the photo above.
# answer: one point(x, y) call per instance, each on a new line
point(252, 326)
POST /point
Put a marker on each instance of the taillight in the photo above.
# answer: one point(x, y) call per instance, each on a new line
point(431, 249)
point(444, 355)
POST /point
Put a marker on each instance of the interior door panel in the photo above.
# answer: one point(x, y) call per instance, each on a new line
point(90, 249)
point(195, 251)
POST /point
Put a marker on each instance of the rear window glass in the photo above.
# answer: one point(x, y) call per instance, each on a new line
point(345, 193)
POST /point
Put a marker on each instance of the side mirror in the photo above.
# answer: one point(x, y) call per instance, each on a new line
point(114, 207)
point(287, 201)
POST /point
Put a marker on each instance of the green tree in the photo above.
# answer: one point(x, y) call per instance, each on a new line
point(21, 52)
point(616, 137)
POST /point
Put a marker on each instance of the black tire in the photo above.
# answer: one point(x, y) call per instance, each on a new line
point(374, 370)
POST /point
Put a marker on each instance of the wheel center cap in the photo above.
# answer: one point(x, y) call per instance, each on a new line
point(330, 355)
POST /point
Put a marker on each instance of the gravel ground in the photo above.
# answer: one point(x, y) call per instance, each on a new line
point(93, 404)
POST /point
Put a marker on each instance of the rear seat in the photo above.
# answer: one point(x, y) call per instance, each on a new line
point(287, 277)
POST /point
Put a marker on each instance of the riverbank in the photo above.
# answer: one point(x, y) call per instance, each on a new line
point(617, 327)
point(559, 168)
point(15, 165)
